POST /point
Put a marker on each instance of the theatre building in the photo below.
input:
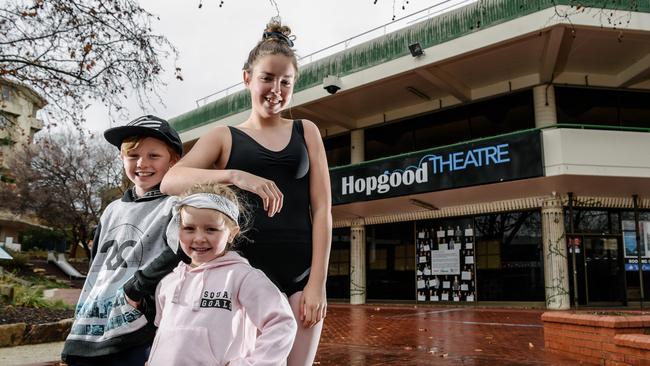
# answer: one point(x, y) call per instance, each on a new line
point(497, 153)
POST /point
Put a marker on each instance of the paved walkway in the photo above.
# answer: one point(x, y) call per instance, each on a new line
point(408, 335)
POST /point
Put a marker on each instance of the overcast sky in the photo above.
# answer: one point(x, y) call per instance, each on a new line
point(214, 41)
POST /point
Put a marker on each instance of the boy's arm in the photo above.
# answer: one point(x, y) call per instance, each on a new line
point(145, 280)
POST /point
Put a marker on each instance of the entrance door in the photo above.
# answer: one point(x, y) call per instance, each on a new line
point(601, 272)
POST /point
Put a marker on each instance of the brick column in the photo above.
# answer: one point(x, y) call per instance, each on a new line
point(556, 268)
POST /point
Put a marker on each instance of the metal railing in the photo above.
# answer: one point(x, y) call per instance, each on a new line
point(436, 9)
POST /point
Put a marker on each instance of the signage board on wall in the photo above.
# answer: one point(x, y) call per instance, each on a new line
point(630, 245)
point(504, 158)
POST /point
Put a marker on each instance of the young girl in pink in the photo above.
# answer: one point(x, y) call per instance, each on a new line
point(218, 310)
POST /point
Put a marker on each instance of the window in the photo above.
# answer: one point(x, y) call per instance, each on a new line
point(593, 106)
point(593, 221)
point(509, 257)
point(338, 276)
point(390, 261)
point(339, 262)
point(404, 258)
point(508, 113)
point(337, 149)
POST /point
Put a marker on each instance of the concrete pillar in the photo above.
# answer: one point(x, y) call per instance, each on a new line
point(544, 102)
point(357, 265)
point(357, 146)
point(357, 233)
point(556, 267)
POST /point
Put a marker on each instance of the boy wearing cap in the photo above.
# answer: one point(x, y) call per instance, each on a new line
point(130, 236)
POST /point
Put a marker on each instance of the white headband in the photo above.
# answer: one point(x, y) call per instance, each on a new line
point(199, 200)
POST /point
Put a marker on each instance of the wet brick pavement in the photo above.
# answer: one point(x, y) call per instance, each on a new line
point(408, 335)
point(377, 335)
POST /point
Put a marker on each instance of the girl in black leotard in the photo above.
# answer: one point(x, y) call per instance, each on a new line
point(280, 165)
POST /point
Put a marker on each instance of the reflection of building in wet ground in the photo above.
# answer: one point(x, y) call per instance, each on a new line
point(458, 175)
point(365, 335)
point(407, 335)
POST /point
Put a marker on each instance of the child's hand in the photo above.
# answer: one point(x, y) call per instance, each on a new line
point(135, 304)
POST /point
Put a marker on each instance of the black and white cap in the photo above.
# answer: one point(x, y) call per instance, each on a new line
point(149, 126)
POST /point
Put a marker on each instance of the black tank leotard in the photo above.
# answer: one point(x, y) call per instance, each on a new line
point(281, 245)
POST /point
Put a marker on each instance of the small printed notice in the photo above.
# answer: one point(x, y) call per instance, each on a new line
point(469, 245)
point(440, 234)
point(427, 248)
point(445, 262)
point(422, 297)
point(450, 232)
point(469, 232)
point(421, 284)
point(458, 246)
point(427, 271)
point(456, 298)
point(423, 259)
point(446, 284)
point(435, 298)
point(421, 235)
point(469, 259)
point(470, 298)
point(464, 287)
point(443, 246)
point(466, 275)
point(445, 296)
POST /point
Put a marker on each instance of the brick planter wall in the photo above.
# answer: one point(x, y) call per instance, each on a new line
point(599, 339)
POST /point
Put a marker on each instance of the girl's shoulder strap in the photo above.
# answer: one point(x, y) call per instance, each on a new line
point(297, 124)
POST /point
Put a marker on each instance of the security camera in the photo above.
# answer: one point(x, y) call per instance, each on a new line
point(332, 84)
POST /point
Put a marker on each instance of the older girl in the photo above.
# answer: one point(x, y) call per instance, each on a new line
point(280, 166)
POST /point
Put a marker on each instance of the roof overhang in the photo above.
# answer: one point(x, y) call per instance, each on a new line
point(512, 50)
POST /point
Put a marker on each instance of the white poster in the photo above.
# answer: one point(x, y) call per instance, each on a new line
point(445, 262)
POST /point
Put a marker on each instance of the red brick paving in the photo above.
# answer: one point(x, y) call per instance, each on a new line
point(378, 335)
point(408, 335)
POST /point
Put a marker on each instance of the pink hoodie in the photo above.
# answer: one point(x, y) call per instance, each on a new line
point(211, 314)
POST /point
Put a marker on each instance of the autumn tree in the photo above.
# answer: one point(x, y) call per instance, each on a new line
point(75, 51)
point(65, 179)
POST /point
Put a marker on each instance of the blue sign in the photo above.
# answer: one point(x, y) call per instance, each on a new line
point(635, 267)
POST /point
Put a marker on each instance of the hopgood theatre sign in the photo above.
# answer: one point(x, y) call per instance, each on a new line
point(505, 158)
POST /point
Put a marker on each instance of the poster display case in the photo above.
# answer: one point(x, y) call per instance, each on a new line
point(445, 261)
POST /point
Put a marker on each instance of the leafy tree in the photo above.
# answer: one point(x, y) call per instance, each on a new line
point(65, 179)
point(74, 51)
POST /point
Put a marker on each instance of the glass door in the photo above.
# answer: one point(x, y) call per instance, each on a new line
point(604, 270)
point(600, 271)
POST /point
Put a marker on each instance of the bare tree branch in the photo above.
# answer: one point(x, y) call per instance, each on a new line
point(74, 51)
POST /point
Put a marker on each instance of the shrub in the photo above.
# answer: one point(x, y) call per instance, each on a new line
point(42, 239)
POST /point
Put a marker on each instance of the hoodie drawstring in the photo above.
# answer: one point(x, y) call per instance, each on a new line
point(197, 301)
point(179, 287)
